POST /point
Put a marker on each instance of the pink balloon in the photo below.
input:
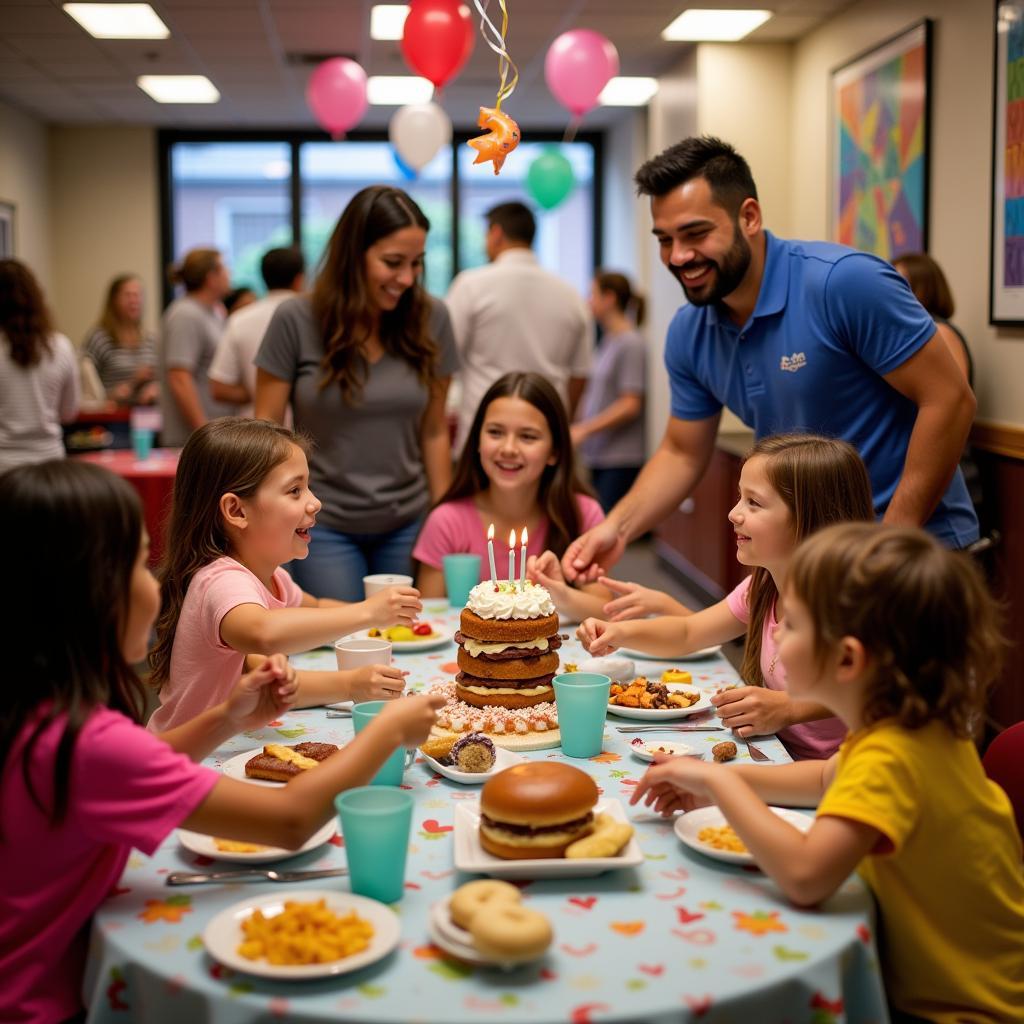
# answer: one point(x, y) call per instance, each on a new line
point(578, 66)
point(336, 94)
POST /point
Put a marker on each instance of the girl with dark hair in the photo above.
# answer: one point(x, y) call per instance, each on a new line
point(900, 639)
point(365, 361)
point(123, 352)
point(81, 782)
point(790, 486)
point(610, 429)
point(517, 469)
point(39, 387)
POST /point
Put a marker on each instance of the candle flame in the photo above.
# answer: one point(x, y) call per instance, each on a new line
point(512, 538)
point(523, 538)
point(490, 532)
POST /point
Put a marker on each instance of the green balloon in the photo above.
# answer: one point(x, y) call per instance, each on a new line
point(549, 179)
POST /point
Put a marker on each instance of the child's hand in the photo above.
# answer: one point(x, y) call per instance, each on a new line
point(546, 570)
point(636, 602)
point(413, 717)
point(674, 784)
point(395, 606)
point(599, 637)
point(264, 694)
point(377, 682)
point(753, 710)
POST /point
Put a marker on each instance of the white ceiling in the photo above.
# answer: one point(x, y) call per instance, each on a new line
point(259, 54)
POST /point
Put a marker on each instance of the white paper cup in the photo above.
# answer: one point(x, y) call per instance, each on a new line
point(383, 580)
point(354, 652)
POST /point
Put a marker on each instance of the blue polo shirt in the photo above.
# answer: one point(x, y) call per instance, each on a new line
point(829, 323)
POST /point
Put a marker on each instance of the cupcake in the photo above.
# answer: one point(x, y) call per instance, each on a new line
point(473, 753)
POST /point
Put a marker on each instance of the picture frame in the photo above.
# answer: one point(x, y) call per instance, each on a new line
point(881, 134)
point(1006, 258)
point(6, 229)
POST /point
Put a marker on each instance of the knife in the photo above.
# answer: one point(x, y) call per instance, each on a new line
point(252, 874)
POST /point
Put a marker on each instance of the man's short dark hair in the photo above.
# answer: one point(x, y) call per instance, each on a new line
point(515, 220)
point(280, 267)
point(704, 156)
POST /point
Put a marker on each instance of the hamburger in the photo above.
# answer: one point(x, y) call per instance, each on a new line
point(536, 810)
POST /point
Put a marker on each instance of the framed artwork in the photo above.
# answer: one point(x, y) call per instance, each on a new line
point(880, 128)
point(1006, 276)
point(6, 230)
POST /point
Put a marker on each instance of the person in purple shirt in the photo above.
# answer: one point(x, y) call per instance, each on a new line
point(791, 336)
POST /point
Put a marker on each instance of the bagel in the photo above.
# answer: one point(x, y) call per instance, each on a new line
point(484, 894)
point(511, 933)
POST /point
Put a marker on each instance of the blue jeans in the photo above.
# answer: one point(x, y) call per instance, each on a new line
point(337, 562)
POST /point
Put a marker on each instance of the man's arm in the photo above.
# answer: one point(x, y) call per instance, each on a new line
point(576, 386)
point(945, 404)
point(182, 387)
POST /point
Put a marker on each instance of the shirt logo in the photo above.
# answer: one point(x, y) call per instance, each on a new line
point(797, 361)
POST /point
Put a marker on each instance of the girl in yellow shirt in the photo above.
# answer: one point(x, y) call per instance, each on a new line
point(898, 637)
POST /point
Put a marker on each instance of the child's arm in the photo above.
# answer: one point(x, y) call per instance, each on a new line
point(666, 636)
point(251, 627)
point(760, 711)
point(572, 603)
point(368, 682)
point(430, 581)
point(288, 816)
point(637, 602)
point(258, 697)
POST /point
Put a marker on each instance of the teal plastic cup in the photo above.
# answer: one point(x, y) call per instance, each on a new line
point(375, 823)
point(582, 702)
point(393, 769)
point(142, 443)
point(461, 575)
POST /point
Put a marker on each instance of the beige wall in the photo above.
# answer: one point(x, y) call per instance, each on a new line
point(24, 181)
point(961, 148)
point(105, 217)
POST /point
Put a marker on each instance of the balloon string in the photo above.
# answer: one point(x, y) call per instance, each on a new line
point(571, 128)
point(499, 46)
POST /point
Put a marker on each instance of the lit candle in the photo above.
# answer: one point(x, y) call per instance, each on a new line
point(522, 560)
point(490, 553)
point(512, 559)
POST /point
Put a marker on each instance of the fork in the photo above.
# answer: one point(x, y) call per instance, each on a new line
point(670, 728)
point(250, 874)
point(756, 753)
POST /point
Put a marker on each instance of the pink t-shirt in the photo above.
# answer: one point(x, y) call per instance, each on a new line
point(128, 789)
point(456, 528)
point(806, 740)
point(203, 667)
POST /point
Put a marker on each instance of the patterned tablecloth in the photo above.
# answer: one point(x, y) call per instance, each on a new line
point(679, 939)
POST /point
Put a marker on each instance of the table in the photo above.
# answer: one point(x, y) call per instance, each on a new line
point(153, 478)
point(680, 939)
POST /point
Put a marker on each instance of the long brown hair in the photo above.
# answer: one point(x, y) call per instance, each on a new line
point(626, 299)
point(92, 522)
point(24, 318)
point(929, 626)
point(559, 485)
point(111, 321)
point(927, 282)
point(341, 303)
point(821, 480)
point(230, 455)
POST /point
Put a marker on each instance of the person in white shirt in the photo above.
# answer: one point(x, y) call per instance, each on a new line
point(233, 370)
point(513, 315)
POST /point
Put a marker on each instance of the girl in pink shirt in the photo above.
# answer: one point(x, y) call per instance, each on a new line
point(81, 782)
point(790, 486)
point(242, 508)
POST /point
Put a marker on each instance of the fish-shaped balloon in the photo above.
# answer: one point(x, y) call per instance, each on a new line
point(501, 139)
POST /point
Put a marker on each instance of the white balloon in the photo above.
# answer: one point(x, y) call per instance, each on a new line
point(418, 131)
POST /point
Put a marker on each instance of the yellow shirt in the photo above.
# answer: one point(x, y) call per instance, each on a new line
point(947, 875)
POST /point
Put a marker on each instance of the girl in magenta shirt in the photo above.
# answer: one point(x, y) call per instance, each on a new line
point(81, 782)
point(790, 486)
point(517, 470)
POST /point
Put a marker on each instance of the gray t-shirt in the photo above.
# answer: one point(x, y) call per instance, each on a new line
point(620, 368)
point(367, 464)
point(189, 332)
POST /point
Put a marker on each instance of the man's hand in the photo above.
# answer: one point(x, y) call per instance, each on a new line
point(601, 545)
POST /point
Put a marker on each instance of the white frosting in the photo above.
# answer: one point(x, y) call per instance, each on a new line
point(476, 648)
point(509, 602)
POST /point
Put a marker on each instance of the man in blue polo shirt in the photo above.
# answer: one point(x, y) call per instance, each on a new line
point(804, 336)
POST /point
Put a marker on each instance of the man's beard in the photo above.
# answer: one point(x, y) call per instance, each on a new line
point(726, 276)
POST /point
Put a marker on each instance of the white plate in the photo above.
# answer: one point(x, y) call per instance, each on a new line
point(640, 748)
point(223, 934)
point(428, 643)
point(470, 856)
point(204, 845)
point(704, 652)
point(664, 714)
point(234, 768)
point(688, 825)
point(457, 942)
point(502, 759)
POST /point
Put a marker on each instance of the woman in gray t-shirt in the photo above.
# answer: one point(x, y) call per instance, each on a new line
point(365, 362)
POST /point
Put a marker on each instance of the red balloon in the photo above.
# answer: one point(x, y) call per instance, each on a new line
point(437, 39)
